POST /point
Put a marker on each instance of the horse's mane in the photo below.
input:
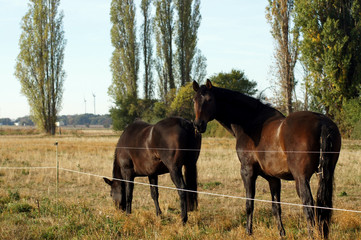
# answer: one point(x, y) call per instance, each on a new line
point(238, 98)
point(246, 111)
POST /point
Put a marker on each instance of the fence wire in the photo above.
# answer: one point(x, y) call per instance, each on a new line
point(185, 190)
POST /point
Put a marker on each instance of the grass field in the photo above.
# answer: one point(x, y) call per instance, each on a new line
point(83, 209)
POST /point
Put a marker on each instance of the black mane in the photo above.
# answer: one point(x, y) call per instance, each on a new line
point(238, 97)
point(245, 111)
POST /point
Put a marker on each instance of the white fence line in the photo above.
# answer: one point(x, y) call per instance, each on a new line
point(212, 150)
point(177, 189)
point(203, 150)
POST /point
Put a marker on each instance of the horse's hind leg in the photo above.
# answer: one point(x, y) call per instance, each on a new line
point(153, 180)
point(249, 180)
point(275, 187)
point(177, 178)
point(304, 192)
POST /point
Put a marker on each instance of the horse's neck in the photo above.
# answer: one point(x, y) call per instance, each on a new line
point(116, 169)
point(235, 113)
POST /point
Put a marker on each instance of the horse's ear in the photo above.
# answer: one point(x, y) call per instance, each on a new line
point(195, 86)
point(107, 181)
point(208, 84)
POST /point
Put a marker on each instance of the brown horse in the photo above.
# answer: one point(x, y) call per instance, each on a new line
point(275, 147)
point(151, 150)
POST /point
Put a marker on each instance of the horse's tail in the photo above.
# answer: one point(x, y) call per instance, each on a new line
point(326, 169)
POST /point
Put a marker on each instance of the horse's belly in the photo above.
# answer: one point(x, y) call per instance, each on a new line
point(275, 165)
point(155, 167)
point(278, 173)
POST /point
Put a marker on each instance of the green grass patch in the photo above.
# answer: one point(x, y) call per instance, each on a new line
point(209, 185)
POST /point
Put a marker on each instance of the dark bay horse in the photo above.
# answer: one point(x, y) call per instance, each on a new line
point(151, 150)
point(275, 147)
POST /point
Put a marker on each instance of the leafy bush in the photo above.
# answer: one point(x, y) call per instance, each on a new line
point(356, 133)
point(159, 110)
point(182, 105)
point(235, 80)
point(215, 129)
point(349, 118)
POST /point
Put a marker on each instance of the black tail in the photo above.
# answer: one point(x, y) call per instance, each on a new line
point(325, 190)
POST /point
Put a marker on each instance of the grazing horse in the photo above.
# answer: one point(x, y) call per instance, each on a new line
point(151, 150)
point(275, 147)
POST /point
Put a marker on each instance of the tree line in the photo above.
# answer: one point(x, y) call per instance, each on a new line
point(66, 120)
point(323, 37)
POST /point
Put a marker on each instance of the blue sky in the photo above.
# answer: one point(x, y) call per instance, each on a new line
point(233, 34)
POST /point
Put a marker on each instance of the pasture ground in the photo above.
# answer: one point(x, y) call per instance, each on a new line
point(83, 209)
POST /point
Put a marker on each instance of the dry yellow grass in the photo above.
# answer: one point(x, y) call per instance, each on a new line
point(84, 209)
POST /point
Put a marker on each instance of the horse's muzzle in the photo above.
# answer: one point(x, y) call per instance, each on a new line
point(200, 125)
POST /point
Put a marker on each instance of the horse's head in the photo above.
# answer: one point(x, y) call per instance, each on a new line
point(204, 105)
point(115, 191)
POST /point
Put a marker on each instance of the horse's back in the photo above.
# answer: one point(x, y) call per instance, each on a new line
point(304, 127)
point(175, 133)
point(134, 134)
point(150, 149)
point(179, 141)
point(171, 133)
point(131, 145)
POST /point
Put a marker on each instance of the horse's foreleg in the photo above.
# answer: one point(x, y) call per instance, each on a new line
point(154, 192)
point(275, 187)
point(178, 181)
point(249, 181)
point(304, 192)
point(123, 202)
point(129, 186)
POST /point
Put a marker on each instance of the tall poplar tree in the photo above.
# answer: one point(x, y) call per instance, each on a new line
point(279, 15)
point(188, 22)
point(39, 65)
point(199, 69)
point(164, 31)
point(331, 49)
point(147, 47)
point(124, 63)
